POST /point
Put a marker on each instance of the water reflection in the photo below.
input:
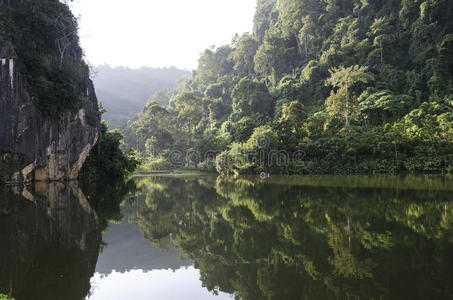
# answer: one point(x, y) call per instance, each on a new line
point(127, 250)
point(308, 238)
point(131, 265)
point(49, 242)
point(194, 238)
point(183, 283)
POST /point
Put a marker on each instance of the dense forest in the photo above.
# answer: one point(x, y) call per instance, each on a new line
point(329, 86)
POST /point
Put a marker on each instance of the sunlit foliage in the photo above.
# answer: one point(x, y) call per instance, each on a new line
point(359, 86)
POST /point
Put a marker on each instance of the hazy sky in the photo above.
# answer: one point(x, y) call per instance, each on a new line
point(158, 33)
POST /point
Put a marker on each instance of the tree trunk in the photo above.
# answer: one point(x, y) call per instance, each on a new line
point(346, 113)
point(382, 54)
point(306, 46)
point(298, 44)
point(349, 232)
point(396, 151)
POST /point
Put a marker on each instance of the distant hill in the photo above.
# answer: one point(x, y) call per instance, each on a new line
point(124, 91)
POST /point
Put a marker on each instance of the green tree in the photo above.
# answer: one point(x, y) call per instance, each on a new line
point(106, 160)
point(294, 116)
point(162, 97)
point(341, 101)
point(263, 18)
point(155, 128)
point(243, 55)
point(273, 58)
point(251, 97)
point(297, 21)
point(213, 64)
point(383, 33)
point(189, 113)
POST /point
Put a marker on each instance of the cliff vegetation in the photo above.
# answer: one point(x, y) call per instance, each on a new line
point(49, 115)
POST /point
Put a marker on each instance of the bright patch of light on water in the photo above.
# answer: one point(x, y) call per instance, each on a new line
point(183, 283)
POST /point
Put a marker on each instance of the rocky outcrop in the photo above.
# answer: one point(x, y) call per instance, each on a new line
point(41, 148)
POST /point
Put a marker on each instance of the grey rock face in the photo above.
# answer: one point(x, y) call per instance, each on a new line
point(44, 149)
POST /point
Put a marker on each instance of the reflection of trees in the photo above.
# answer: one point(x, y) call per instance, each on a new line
point(106, 197)
point(274, 241)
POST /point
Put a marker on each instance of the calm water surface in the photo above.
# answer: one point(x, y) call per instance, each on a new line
point(324, 237)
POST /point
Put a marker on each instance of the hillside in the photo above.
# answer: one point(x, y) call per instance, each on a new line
point(338, 86)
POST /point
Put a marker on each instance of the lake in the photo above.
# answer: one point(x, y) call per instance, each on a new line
point(208, 237)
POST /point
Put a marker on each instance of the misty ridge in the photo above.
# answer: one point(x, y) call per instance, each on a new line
point(124, 91)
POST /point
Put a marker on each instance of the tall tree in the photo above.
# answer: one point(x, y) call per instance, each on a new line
point(243, 55)
point(251, 97)
point(273, 59)
point(383, 33)
point(341, 101)
point(189, 113)
point(293, 118)
point(263, 18)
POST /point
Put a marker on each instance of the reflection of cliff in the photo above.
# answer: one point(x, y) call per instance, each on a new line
point(127, 249)
point(49, 245)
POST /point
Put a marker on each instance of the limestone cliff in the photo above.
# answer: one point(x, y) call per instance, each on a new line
point(43, 148)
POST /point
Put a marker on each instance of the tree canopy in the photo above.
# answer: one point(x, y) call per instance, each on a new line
point(358, 86)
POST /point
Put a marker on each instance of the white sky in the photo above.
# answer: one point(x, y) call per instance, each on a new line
point(158, 33)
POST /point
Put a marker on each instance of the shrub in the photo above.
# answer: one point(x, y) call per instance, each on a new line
point(158, 164)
